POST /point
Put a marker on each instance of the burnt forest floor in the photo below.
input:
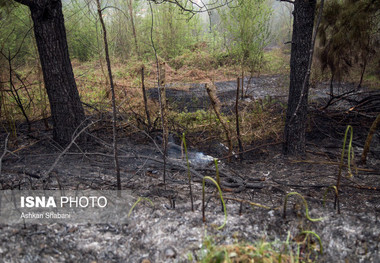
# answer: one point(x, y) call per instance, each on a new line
point(161, 233)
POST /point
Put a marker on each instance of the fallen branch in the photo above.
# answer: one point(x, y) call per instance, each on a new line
point(338, 98)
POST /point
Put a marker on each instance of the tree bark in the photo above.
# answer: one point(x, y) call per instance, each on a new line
point(295, 125)
point(49, 30)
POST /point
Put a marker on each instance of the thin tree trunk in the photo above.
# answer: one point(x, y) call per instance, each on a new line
point(130, 9)
point(242, 84)
point(163, 110)
point(215, 103)
point(145, 99)
point(1, 94)
point(367, 144)
point(362, 73)
point(114, 131)
point(237, 121)
point(160, 86)
point(332, 86)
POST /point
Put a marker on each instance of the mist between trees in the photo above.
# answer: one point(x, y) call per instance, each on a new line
point(237, 29)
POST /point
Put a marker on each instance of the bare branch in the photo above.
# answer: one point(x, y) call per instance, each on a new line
point(76, 136)
point(201, 8)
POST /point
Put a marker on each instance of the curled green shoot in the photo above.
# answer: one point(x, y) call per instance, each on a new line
point(217, 175)
point(305, 204)
point(307, 232)
point(138, 201)
point(221, 199)
point(188, 171)
point(350, 154)
point(350, 151)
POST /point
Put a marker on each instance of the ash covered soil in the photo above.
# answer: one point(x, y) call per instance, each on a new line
point(164, 232)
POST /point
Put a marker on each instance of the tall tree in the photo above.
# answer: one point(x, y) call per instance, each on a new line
point(247, 31)
point(296, 115)
point(49, 30)
point(131, 17)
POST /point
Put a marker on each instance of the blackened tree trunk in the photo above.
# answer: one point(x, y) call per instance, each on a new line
point(296, 115)
point(49, 30)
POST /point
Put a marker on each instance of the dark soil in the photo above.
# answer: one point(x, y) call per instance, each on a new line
point(161, 233)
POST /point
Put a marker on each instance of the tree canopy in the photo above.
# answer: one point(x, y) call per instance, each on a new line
point(349, 35)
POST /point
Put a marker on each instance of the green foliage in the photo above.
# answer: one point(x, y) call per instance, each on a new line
point(260, 251)
point(192, 119)
point(348, 35)
point(174, 31)
point(195, 57)
point(119, 24)
point(81, 31)
point(276, 62)
point(16, 36)
point(247, 30)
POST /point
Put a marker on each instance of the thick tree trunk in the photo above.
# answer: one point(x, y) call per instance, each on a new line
point(49, 30)
point(295, 125)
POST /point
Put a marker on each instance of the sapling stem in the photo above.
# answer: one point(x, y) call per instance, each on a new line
point(333, 187)
point(188, 171)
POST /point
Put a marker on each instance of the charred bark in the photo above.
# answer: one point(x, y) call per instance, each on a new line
point(296, 115)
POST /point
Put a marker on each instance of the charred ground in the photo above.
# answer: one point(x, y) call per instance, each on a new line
point(167, 233)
